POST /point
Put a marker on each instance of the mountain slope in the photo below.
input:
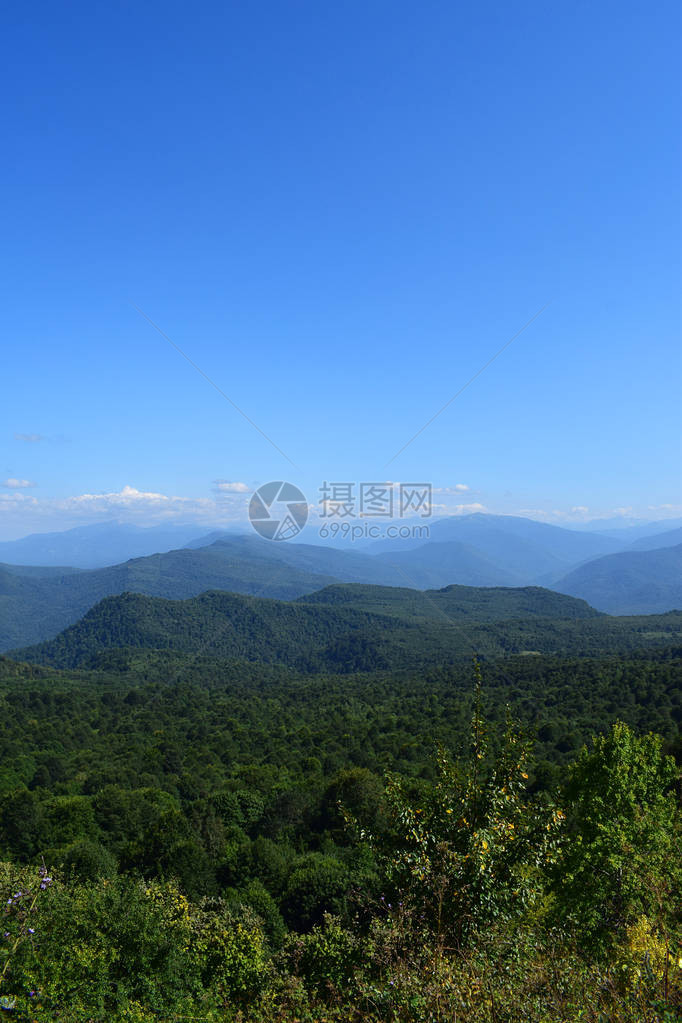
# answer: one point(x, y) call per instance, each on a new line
point(633, 582)
point(344, 564)
point(523, 544)
point(439, 564)
point(227, 625)
point(35, 603)
point(338, 637)
point(625, 530)
point(30, 609)
point(34, 608)
point(671, 538)
point(524, 550)
point(95, 546)
point(462, 603)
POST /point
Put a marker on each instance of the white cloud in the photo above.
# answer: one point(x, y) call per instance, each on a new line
point(10, 502)
point(669, 510)
point(533, 513)
point(458, 488)
point(21, 513)
point(29, 438)
point(15, 484)
point(127, 496)
point(576, 513)
point(133, 500)
point(462, 509)
point(231, 487)
point(581, 513)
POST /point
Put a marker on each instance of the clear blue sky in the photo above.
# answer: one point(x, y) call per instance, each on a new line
point(340, 212)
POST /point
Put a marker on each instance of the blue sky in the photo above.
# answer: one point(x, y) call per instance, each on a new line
point(340, 213)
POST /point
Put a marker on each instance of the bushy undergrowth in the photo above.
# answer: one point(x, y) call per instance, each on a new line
point(477, 902)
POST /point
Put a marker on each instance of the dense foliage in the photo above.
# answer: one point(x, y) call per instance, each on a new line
point(412, 631)
point(228, 836)
point(36, 606)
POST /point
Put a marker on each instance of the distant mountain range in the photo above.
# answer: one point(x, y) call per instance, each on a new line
point(627, 530)
point(634, 582)
point(110, 543)
point(671, 538)
point(515, 551)
point(38, 601)
point(95, 546)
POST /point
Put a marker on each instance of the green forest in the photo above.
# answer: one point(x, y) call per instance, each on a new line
point(237, 809)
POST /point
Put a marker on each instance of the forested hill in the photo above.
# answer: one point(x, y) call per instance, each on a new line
point(313, 637)
point(36, 603)
point(36, 608)
point(474, 603)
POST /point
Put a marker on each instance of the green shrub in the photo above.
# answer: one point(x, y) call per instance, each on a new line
point(623, 857)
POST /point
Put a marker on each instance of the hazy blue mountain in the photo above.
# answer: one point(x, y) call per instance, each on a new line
point(671, 538)
point(627, 529)
point(347, 565)
point(434, 565)
point(515, 551)
point(30, 608)
point(206, 539)
point(41, 571)
point(96, 546)
point(632, 582)
point(556, 542)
